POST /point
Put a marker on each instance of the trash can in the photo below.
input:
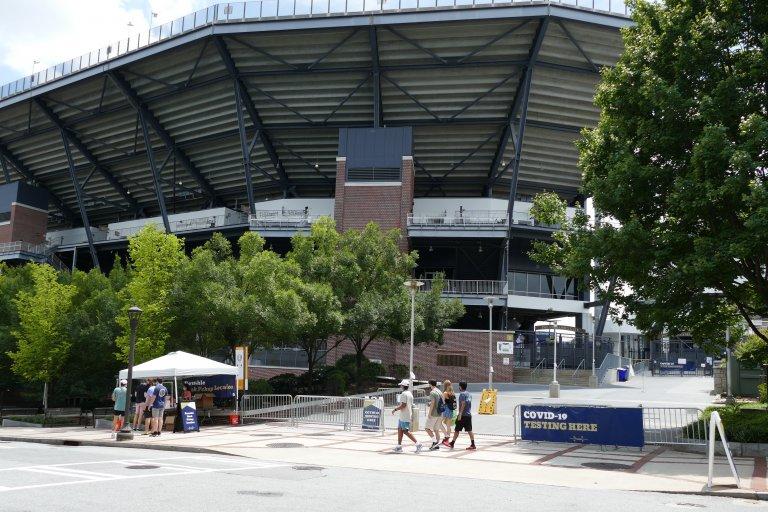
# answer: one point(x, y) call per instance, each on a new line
point(234, 420)
point(622, 374)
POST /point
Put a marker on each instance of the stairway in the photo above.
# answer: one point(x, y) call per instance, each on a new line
point(565, 377)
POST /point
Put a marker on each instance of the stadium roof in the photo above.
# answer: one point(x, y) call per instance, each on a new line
point(458, 74)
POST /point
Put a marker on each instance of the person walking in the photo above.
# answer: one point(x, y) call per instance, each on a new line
point(140, 400)
point(449, 401)
point(150, 397)
point(464, 418)
point(158, 407)
point(119, 398)
point(405, 407)
point(435, 415)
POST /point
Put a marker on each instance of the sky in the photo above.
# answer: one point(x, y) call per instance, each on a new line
point(52, 31)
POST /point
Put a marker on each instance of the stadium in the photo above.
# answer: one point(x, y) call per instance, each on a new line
point(440, 118)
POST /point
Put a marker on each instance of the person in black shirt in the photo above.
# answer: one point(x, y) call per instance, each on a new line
point(139, 399)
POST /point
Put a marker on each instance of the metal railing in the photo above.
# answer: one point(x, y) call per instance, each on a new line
point(581, 364)
point(236, 12)
point(460, 219)
point(266, 407)
point(281, 219)
point(536, 370)
point(469, 287)
point(23, 247)
point(611, 362)
point(674, 426)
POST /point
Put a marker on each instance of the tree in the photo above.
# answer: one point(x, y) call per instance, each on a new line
point(676, 168)
point(43, 341)
point(155, 260)
point(12, 281)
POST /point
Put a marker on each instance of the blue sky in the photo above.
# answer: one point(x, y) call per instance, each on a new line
point(52, 31)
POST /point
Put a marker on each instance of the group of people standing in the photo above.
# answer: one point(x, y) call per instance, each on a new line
point(149, 400)
point(446, 411)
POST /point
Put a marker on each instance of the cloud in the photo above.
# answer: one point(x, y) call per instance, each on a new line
point(52, 31)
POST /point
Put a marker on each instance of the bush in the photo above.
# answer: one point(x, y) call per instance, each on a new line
point(260, 387)
point(369, 372)
point(284, 384)
point(763, 391)
point(742, 425)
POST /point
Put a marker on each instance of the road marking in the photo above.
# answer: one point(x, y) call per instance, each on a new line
point(92, 478)
point(554, 455)
point(645, 459)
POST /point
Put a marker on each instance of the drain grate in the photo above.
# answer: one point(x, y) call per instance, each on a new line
point(308, 468)
point(70, 443)
point(142, 466)
point(607, 466)
point(285, 445)
point(264, 494)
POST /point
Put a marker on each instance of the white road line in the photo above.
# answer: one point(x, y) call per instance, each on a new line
point(67, 471)
point(112, 461)
point(92, 478)
point(128, 477)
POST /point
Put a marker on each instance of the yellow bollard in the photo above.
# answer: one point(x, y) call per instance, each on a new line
point(487, 402)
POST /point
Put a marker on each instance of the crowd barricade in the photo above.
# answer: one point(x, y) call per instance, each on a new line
point(266, 407)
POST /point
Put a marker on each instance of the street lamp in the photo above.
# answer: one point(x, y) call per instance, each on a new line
point(413, 285)
point(126, 434)
point(729, 400)
point(489, 301)
point(554, 386)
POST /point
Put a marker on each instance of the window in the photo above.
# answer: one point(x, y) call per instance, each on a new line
point(373, 175)
point(281, 357)
point(456, 358)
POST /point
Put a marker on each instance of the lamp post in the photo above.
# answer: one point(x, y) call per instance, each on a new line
point(728, 395)
point(554, 386)
point(413, 285)
point(593, 377)
point(489, 301)
point(126, 434)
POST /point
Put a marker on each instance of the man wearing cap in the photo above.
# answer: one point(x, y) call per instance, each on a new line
point(405, 406)
point(119, 396)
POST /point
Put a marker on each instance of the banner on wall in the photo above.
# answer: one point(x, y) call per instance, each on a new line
point(220, 386)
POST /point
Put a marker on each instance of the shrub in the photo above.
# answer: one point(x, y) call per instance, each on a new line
point(260, 387)
point(284, 384)
point(762, 389)
point(347, 364)
point(741, 425)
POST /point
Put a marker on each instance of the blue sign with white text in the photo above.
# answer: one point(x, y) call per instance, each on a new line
point(220, 386)
point(189, 417)
point(371, 415)
point(617, 426)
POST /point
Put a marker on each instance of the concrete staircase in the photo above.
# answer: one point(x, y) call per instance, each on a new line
point(565, 377)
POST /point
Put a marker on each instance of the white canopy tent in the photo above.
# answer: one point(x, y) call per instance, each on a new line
point(179, 364)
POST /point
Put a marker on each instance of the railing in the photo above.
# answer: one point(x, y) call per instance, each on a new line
point(611, 362)
point(177, 226)
point(23, 247)
point(674, 426)
point(579, 367)
point(236, 12)
point(266, 407)
point(323, 410)
point(536, 370)
point(481, 219)
point(281, 219)
point(469, 287)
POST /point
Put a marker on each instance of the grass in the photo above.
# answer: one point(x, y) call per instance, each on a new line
point(743, 423)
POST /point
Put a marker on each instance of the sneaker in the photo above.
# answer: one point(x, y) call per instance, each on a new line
point(434, 447)
point(446, 443)
point(398, 449)
point(451, 445)
point(419, 447)
point(471, 447)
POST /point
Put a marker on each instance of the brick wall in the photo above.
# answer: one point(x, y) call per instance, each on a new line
point(5, 232)
point(27, 224)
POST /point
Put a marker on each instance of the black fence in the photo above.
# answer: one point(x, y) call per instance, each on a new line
point(540, 349)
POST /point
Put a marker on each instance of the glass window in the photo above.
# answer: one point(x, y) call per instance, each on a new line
point(534, 284)
point(520, 284)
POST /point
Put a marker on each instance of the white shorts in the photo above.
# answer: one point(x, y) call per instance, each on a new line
point(434, 423)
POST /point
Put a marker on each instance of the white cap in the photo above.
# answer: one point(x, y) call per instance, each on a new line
point(123, 382)
point(405, 382)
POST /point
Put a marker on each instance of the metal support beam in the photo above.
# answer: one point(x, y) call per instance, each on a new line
point(234, 74)
point(376, 76)
point(77, 143)
point(606, 306)
point(79, 195)
point(6, 173)
point(155, 172)
point(144, 112)
point(246, 149)
point(10, 158)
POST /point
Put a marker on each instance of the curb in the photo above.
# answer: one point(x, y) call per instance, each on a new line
point(746, 494)
point(113, 444)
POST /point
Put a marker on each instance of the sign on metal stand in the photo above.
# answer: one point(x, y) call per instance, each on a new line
point(608, 426)
point(715, 426)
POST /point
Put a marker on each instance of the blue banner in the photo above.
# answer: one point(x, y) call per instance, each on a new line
point(617, 426)
point(189, 417)
point(371, 415)
point(220, 386)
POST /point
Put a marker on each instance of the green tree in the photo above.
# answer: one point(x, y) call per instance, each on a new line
point(43, 339)
point(676, 168)
point(12, 281)
point(155, 260)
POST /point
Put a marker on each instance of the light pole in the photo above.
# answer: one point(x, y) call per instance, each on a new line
point(126, 434)
point(554, 386)
point(413, 285)
point(728, 396)
point(593, 377)
point(489, 301)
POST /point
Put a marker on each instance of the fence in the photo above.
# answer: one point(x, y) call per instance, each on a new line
point(480, 288)
point(267, 407)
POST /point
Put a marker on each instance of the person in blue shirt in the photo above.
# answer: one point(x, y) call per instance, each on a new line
point(158, 393)
point(464, 418)
point(119, 397)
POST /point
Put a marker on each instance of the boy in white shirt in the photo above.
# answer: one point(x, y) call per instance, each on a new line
point(405, 406)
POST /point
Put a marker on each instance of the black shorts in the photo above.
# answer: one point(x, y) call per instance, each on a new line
point(118, 413)
point(463, 423)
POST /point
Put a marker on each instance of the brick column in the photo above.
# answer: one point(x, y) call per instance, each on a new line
point(338, 204)
point(406, 199)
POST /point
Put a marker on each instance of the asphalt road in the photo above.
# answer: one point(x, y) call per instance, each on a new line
point(36, 477)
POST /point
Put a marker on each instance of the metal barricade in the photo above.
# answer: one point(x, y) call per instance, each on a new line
point(674, 426)
point(322, 410)
point(266, 407)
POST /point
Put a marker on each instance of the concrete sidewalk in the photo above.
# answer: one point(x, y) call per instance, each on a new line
point(498, 458)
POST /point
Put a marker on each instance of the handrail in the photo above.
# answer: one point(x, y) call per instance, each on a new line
point(536, 369)
point(581, 363)
point(480, 287)
point(262, 10)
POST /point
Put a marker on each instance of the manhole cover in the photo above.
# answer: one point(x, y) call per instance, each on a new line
point(266, 494)
point(608, 466)
point(319, 434)
point(142, 466)
point(285, 445)
point(308, 468)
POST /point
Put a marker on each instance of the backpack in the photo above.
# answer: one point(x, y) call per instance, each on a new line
point(440, 405)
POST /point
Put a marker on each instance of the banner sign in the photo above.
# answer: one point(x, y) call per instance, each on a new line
point(189, 417)
point(221, 386)
point(372, 413)
point(616, 426)
point(241, 362)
